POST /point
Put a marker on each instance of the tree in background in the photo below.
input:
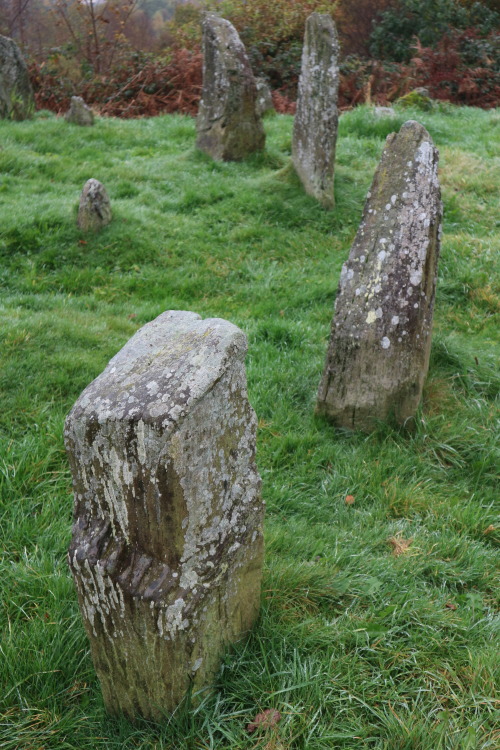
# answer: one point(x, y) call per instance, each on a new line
point(14, 17)
point(387, 46)
point(96, 30)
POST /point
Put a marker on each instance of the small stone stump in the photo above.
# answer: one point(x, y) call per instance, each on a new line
point(380, 340)
point(316, 120)
point(264, 100)
point(16, 94)
point(94, 211)
point(384, 112)
point(79, 113)
point(229, 127)
point(167, 540)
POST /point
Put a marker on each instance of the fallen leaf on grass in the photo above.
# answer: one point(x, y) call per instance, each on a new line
point(349, 500)
point(268, 718)
point(399, 545)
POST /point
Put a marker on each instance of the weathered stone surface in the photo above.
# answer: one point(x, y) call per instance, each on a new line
point(384, 112)
point(264, 102)
point(167, 538)
point(16, 94)
point(228, 125)
point(316, 120)
point(381, 331)
point(94, 211)
point(79, 113)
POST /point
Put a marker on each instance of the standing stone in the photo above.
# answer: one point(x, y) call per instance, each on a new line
point(79, 113)
point(316, 120)
point(228, 125)
point(167, 539)
point(16, 94)
point(381, 331)
point(94, 211)
point(264, 98)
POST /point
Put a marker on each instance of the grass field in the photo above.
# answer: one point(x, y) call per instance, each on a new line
point(357, 646)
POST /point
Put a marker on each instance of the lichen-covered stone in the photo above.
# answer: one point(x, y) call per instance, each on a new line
point(167, 538)
point(229, 127)
point(264, 101)
point(94, 211)
point(316, 120)
point(384, 112)
point(79, 113)
point(381, 331)
point(418, 99)
point(16, 94)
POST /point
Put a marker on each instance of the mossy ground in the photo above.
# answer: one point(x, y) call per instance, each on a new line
point(356, 647)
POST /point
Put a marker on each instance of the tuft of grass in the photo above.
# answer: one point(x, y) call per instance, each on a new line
point(356, 647)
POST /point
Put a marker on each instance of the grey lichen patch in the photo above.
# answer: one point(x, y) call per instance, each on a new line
point(316, 120)
point(229, 126)
point(167, 540)
point(381, 331)
point(16, 95)
point(94, 210)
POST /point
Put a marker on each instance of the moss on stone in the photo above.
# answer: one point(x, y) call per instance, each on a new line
point(416, 100)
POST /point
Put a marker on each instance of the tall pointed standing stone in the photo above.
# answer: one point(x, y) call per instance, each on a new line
point(380, 340)
point(16, 94)
point(316, 120)
point(228, 125)
point(167, 543)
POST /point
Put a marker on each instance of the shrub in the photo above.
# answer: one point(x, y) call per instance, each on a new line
point(464, 68)
point(143, 85)
point(427, 20)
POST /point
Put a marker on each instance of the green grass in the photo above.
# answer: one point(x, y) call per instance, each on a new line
point(356, 647)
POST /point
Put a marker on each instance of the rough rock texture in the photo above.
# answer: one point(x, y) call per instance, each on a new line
point(381, 331)
point(384, 111)
point(16, 95)
point(264, 101)
point(79, 113)
point(228, 125)
point(316, 120)
point(167, 538)
point(94, 211)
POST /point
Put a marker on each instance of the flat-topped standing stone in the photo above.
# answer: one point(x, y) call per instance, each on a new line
point(167, 538)
point(94, 211)
point(16, 94)
point(316, 120)
point(79, 113)
point(381, 331)
point(229, 127)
